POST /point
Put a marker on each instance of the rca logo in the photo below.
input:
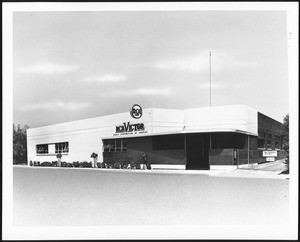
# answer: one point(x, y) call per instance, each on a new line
point(136, 111)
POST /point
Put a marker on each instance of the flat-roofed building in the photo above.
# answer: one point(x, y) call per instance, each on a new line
point(195, 138)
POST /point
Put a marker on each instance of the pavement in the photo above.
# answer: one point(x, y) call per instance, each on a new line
point(50, 196)
point(265, 170)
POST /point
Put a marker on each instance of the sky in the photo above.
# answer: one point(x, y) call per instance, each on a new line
point(76, 65)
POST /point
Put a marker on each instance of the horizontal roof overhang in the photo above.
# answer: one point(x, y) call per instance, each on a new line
point(123, 136)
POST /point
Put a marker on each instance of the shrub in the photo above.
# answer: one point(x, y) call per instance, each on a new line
point(86, 164)
point(134, 165)
point(30, 163)
point(94, 155)
point(38, 163)
point(116, 165)
point(124, 165)
point(46, 163)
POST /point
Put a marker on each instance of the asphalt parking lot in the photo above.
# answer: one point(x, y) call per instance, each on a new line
point(52, 196)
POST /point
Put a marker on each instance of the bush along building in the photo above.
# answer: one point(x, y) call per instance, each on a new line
point(192, 139)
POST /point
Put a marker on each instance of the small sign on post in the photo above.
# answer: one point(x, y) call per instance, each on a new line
point(270, 153)
point(270, 158)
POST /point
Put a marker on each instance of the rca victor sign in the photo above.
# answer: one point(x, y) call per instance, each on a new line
point(136, 111)
point(128, 128)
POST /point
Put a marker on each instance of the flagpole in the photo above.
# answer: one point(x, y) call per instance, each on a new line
point(209, 79)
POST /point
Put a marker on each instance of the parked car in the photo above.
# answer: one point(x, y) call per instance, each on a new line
point(287, 159)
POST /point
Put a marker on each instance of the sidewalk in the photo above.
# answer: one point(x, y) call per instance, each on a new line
point(265, 170)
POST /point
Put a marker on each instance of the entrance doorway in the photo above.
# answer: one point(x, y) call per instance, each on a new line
point(197, 152)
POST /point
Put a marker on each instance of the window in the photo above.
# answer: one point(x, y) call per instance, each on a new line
point(118, 145)
point(269, 136)
point(168, 142)
point(261, 143)
point(62, 147)
point(105, 145)
point(114, 145)
point(277, 138)
point(277, 145)
point(53, 148)
point(269, 144)
point(124, 145)
point(42, 149)
point(261, 135)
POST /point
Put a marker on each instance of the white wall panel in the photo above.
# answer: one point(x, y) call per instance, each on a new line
point(85, 136)
point(235, 117)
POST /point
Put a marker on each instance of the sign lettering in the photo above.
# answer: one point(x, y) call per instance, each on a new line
point(268, 153)
point(127, 127)
point(270, 158)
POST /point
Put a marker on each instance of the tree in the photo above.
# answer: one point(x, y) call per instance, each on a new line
point(94, 156)
point(285, 140)
point(19, 143)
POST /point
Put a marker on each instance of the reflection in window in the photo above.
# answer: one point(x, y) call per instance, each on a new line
point(114, 145)
point(42, 149)
point(168, 142)
point(62, 147)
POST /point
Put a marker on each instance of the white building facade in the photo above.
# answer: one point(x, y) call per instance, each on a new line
point(170, 138)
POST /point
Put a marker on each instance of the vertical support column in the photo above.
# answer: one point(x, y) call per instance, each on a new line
point(209, 148)
point(248, 151)
point(185, 151)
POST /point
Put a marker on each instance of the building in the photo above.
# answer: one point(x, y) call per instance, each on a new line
point(196, 138)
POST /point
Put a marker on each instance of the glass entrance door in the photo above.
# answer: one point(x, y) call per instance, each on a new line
point(197, 150)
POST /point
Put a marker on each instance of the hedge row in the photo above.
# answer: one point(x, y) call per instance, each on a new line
point(110, 165)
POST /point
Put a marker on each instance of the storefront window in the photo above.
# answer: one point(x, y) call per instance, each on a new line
point(105, 145)
point(111, 145)
point(168, 142)
point(124, 145)
point(118, 145)
point(114, 145)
